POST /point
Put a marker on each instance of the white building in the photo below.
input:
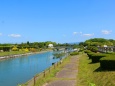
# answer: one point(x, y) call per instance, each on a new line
point(50, 46)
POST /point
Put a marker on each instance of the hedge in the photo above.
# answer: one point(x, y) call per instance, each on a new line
point(108, 62)
point(87, 51)
point(95, 57)
point(74, 53)
point(90, 54)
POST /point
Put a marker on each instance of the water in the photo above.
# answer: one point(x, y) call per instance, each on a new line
point(19, 70)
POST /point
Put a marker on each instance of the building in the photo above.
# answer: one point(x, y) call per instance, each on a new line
point(50, 46)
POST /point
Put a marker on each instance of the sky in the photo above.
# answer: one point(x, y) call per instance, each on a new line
point(61, 21)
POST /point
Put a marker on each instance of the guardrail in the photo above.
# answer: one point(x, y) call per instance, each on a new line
point(43, 74)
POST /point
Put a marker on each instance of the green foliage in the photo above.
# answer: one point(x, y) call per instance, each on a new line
point(108, 62)
point(99, 42)
point(92, 73)
point(33, 49)
point(86, 51)
point(5, 48)
point(15, 48)
point(110, 53)
point(95, 57)
point(12, 53)
point(92, 84)
point(74, 53)
point(36, 45)
point(58, 55)
point(92, 48)
point(75, 46)
point(90, 54)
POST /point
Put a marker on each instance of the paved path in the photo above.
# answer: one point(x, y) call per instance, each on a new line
point(67, 76)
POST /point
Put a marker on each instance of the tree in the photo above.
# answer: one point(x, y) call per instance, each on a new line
point(28, 42)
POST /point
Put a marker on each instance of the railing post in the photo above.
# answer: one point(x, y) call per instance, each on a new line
point(44, 73)
point(34, 80)
point(49, 70)
point(54, 66)
point(57, 63)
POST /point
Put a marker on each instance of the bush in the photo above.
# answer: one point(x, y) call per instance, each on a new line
point(110, 53)
point(95, 57)
point(74, 53)
point(87, 51)
point(108, 62)
point(90, 54)
point(58, 55)
point(15, 48)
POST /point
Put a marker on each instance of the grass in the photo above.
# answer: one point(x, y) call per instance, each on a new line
point(92, 75)
point(50, 76)
point(17, 52)
point(12, 53)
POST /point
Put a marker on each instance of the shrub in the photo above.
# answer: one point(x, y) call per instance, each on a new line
point(108, 62)
point(74, 53)
point(58, 55)
point(87, 51)
point(33, 50)
point(110, 53)
point(15, 48)
point(95, 57)
point(90, 54)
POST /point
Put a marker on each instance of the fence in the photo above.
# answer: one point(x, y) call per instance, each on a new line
point(43, 74)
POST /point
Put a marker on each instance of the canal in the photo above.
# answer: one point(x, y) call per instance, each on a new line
point(21, 69)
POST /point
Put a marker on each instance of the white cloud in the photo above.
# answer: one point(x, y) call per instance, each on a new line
point(15, 35)
point(0, 34)
point(74, 33)
point(88, 35)
point(106, 32)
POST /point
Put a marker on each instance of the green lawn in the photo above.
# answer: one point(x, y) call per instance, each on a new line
point(91, 75)
point(12, 53)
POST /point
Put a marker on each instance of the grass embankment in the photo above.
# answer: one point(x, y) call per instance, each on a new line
point(12, 53)
point(19, 52)
point(92, 75)
point(49, 76)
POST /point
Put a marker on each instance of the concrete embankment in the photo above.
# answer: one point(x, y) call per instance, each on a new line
point(13, 56)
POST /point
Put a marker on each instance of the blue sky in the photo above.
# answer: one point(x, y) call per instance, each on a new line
point(56, 20)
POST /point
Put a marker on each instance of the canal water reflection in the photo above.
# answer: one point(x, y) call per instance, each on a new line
point(19, 70)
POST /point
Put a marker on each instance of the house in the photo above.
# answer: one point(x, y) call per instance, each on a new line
point(50, 46)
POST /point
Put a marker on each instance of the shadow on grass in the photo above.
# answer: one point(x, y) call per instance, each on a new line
point(93, 62)
point(103, 70)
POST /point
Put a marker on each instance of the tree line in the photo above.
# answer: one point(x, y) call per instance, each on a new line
point(93, 44)
point(33, 46)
